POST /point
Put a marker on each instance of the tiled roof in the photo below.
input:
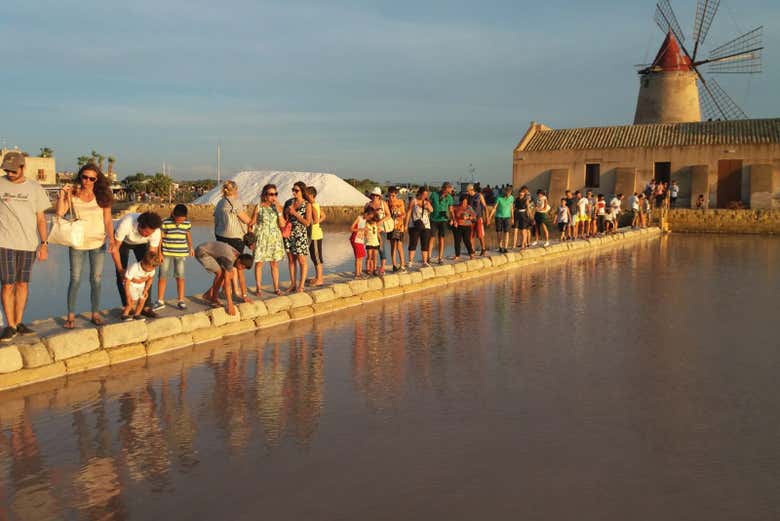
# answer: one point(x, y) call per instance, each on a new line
point(736, 132)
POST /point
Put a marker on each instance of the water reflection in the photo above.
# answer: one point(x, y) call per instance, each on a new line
point(541, 378)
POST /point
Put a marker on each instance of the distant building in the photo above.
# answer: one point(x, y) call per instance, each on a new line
point(727, 161)
point(40, 169)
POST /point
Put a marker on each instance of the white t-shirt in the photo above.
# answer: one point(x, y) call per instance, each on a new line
point(127, 231)
point(615, 204)
point(136, 271)
point(634, 202)
point(674, 191)
point(19, 205)
point(582, 206)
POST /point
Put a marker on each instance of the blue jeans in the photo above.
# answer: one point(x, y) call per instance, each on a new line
point(96, 259)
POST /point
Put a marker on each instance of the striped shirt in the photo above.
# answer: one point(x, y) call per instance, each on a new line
point(174, 238)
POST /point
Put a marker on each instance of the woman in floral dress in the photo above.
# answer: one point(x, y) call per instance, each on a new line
point(298, 211)
point(269, 246)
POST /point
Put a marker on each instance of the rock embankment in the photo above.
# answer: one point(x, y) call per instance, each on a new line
point(56, 352)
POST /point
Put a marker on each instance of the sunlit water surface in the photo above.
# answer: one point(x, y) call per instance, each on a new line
point(635, 384)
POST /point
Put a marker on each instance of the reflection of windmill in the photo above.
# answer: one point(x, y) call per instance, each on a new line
point(673, 88)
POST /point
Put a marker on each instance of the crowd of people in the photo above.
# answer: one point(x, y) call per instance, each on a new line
point(272, 231)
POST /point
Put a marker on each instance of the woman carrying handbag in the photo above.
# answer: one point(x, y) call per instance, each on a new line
point(90, 200)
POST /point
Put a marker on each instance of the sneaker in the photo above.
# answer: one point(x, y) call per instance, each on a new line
point(126, 318)
point(410, 265)
point(24, 330)
point(139, 317)
point(426, 265)
point(395, 268)
point(534, 243)
point(403, 269)
point(181, 305)
point(158, 305)
point(546, 244)
point(147, 313)
point(8, 334)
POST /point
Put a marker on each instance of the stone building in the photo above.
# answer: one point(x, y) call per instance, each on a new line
point(726, 161)
point(40, 169)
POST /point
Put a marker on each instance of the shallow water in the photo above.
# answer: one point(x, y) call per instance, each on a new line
point(635, 384)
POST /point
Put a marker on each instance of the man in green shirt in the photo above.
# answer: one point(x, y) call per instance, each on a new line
point(504, 218)
point(442, 202)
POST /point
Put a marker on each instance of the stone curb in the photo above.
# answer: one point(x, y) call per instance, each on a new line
point(77, 351)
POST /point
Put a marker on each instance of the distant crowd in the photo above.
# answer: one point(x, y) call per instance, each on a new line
point(389, 227)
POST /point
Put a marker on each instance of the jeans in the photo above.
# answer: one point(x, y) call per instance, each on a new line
point(139, 250)
point(97, 257)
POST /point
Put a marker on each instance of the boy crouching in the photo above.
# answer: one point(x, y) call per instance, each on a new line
point(220, 258)
point(138, 281)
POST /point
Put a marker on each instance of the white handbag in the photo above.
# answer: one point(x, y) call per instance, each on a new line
point(67, 232)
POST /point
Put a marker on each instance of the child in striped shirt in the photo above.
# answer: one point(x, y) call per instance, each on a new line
point(176, 246)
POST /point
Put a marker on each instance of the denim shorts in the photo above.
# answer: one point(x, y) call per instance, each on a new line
point(178, 267)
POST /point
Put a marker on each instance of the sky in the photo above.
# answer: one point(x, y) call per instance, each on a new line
point(389, 90)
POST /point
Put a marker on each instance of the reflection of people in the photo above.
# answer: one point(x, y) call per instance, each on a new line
point(141, 438)
point(23, 236)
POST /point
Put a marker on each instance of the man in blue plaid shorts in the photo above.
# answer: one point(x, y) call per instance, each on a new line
point(23, 235)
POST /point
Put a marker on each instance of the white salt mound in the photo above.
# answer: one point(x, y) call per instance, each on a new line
point(331, 189)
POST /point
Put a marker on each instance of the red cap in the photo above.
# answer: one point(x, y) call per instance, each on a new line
point(670, 57)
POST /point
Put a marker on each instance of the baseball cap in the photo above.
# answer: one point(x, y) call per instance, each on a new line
point(12, 161)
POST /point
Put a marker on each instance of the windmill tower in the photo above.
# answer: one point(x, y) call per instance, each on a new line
point(673, 88)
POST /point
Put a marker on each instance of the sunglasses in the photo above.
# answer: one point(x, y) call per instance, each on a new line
point(269, 194)
point(296, 190)
point(88, 178)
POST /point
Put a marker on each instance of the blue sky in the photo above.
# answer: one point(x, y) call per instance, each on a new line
point(391, 90)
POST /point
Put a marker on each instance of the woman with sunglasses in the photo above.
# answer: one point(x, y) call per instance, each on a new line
point(90, 199)
point(269, 246)
point(298, 211)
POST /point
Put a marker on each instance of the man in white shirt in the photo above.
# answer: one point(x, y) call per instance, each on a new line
point(137, 233)
point(23, 236)
point(617, 207)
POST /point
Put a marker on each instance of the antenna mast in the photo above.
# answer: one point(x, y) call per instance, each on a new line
point(219, 164)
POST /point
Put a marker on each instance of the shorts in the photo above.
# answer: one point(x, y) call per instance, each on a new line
point(523, 221)
point(478, 230)
point(136, 291)
point(562, 226)
point(395, 235)
point(540, 218)
point(582, 218)
point(502, 224)
point(15, 265)
point(175, 264)
point(358, 248)
point(439, 228)
point(208, 262)
point(421, 234)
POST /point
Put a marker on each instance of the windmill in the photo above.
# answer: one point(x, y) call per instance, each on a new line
point(674, 89)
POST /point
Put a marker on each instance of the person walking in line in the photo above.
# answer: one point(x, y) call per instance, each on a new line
point(441, 214)
point(592, 225)
point(599, 213)
point(176, 247)
point(297, 210)
point(23, 235)
point(138, 233)
point(372, 244)
point(138, 282)
point(90, 198)
point(616, 204)
point(583, 215)
point(419, 225)
point(562, 218)
point(398, 213)
point(225, 262)
point(382, 210)
point(571, 203)
point(635, 202)
point(503, 218)
point(463, 219)
point(480, 207)
point(358, 239)
point(269, 220)
point(540, 217)
point(523, 218)
point(315, 244)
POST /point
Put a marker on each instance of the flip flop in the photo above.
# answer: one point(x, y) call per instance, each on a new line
point(98, 321)
point(69, 324)
point(278, 292)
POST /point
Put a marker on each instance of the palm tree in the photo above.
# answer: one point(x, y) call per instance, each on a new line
point(111, 161)
point(83, 160)
point(46, 152)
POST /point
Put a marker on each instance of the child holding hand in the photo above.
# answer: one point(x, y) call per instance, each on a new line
point(138, 280)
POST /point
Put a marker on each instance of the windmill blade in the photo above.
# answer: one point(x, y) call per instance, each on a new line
point(748, 62)
point(715, 103)
point(705, 14)
point(742, 49)
point(667, 21)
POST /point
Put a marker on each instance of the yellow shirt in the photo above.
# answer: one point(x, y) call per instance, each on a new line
point(316, 229)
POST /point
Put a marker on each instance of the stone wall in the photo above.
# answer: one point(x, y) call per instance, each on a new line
point(66, 352)
point(725, 221)
point(205, 212)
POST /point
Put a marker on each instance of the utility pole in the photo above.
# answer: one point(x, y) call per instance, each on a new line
point(219, 164)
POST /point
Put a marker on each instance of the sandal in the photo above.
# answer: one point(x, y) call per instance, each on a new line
point(97, 320)
point(69, 324)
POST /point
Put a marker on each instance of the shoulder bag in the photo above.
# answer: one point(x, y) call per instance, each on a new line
point(67, 232)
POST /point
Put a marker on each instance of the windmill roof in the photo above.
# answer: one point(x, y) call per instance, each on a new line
point(670, 57)
point(656, 135)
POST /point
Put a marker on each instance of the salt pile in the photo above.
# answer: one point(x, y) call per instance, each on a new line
point(331, 189)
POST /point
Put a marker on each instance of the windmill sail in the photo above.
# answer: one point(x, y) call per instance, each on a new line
point(716, 104)
point(667, 21)
point(705, 14)
point(740, 55)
